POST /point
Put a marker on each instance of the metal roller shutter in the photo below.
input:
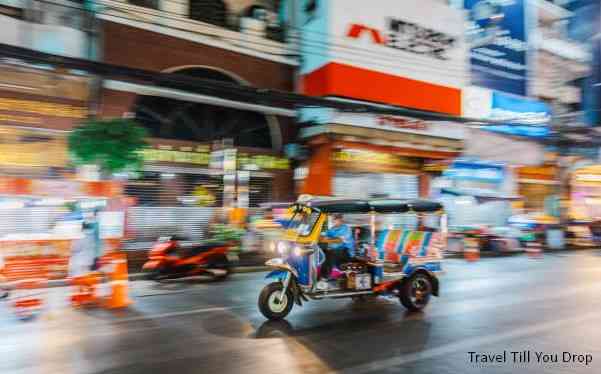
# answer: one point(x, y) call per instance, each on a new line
point(367, 185)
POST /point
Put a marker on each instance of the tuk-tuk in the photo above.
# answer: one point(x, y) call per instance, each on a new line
point(399, 262)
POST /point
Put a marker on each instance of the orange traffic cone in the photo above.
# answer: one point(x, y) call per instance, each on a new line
point(119, 297)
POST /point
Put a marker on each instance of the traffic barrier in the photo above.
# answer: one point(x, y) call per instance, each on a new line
point(28, 299)
point(85, 289)
point(119, 283)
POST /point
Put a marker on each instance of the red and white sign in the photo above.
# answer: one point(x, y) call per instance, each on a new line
point(437, 129)
point(401, 123)
point(410, 53)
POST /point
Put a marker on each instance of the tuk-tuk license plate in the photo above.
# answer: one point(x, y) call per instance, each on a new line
point(232, 257)
point(363, 281)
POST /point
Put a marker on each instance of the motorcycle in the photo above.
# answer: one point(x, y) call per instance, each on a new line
point(168, 259)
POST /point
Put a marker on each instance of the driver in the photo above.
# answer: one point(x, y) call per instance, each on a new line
point(341, 251)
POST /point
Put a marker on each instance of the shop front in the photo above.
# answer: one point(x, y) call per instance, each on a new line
point(537, 185)
point(366, 155)
point(585, 193)
point(180, 173)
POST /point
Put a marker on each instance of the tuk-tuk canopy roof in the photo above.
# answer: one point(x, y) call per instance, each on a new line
point(375, 205)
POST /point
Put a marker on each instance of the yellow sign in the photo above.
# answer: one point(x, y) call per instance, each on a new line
point(20, 119)
point(200, 156)
point(263, 161)
point(27, 148)
point(374, 158)
point(167, 155)
point(43, 108)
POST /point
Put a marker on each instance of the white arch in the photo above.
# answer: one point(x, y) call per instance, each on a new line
point(274, 125)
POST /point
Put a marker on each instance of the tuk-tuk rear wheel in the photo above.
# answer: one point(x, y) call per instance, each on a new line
point(272, 304)
point(416, 291)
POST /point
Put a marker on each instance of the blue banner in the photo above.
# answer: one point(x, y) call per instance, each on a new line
point(525, 117)
point(464, 169)
point(498, 36)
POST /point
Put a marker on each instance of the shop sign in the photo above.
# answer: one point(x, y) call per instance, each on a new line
point(407, 36)
point(401, 123)
point(448, 130)
point(28, 148)
point(201, 156)
point(476, 171)
point(409, 39)
point(368, 158)
point(537, 172)
point(521, 116)
point(250, 162)
point(56, 188)
point(499, 41)
point(43, 108)
point(175, 156)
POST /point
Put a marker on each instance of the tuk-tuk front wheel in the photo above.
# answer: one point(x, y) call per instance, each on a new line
point(273, 304)
point(416, 291)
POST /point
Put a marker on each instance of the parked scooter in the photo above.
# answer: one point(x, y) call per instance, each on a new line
point(168, 259)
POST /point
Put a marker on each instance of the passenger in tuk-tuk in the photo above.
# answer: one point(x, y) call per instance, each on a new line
point(341, 250)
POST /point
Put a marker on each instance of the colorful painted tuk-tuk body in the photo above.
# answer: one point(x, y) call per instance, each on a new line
point(398, 262)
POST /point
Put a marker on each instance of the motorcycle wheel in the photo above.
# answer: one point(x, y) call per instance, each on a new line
point(415, 293)
point(269, 305)
point(224, 267)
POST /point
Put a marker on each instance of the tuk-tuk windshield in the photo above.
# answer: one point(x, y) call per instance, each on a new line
point(303, 221)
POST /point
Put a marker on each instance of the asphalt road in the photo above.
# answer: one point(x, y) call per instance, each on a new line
point(493, 307)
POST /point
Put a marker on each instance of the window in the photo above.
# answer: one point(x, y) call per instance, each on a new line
point(152, 4)
point(209, 11)
point(174, 119)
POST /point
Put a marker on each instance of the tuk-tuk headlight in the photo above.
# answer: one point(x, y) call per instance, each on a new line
point(283, 247)
point(298, 251)
point(272, 247)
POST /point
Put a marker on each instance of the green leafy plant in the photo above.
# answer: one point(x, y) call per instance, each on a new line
point(112, 144)
point(223, 233)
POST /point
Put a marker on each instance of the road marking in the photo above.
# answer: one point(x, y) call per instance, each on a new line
point(177, 314)
point(466, 344)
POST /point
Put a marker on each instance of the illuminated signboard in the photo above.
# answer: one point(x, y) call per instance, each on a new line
point(168, 155)
point(372, 158)
point(43, 108)
point(401, 123)
point(201, 156)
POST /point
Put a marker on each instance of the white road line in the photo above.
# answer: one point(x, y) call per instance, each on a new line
point(471, 343)
point(176, 314)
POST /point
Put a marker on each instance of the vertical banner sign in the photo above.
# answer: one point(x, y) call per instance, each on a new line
point(498, 37)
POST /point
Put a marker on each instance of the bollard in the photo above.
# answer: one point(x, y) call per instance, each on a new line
point(118, 283)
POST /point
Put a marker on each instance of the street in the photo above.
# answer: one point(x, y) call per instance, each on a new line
point(491, 308)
